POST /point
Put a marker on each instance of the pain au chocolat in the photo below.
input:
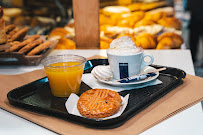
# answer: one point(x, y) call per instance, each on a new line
point(99, 103)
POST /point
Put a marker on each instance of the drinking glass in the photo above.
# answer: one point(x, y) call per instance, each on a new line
point(64, 73)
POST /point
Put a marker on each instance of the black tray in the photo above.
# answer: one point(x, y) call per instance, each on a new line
point(36, 97)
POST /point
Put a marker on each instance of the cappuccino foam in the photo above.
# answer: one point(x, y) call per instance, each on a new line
point(123, 46)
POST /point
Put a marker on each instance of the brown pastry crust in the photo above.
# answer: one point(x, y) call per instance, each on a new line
point(41, 47)
point(3, 36)
point(153, 5)
point(1, 12)
point(146, 41)
point(11, 33)
point(144, 22)
point(169, 11)
point(13, 43)
point(155, 16)
point(31, 45)
point(99, 103)
point(9, 28)
point(131, 20)
point(169, 40)
point(170, 22)
point(107, 20)
point(60, 31)
point(19, 35)
point(135, 6)
point(24, 43)
point(65, 43)
point(169, 34)
point(104, 45)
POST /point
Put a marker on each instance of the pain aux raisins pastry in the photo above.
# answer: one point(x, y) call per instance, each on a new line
point(99, 103)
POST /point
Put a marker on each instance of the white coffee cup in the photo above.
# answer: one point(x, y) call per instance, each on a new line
point(127, 65)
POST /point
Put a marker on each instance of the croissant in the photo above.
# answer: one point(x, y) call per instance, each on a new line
point(106, 20)
point(155, 16)
point(146, 41)
point(125, 23)
point(3, 36)
point(170, 22)
point(109, 33)
point(169, 11)
point(153, 5)
point(60, 31)
point(71, 23)
point(151, 29)
point(118, 17)
point(65, 43)
point(105, 41)
point(144, 22)
point(111, 10)
point(135, 6)
point(131, 19)
point(169, 40)
point(104, 45)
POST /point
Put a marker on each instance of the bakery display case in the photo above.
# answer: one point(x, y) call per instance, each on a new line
point(151, 24)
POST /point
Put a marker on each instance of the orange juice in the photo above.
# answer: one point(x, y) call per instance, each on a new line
point(64, 78)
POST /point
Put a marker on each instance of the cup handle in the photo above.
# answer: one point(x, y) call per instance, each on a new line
point(144, 63)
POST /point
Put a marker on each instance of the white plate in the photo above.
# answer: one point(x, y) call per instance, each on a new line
point(145, 69)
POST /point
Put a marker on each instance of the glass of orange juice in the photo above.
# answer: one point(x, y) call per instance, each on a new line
point(64, 73)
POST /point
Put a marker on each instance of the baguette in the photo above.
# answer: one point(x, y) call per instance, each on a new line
point(11, 33)
point(9, 28)
point(13, 43)
point(31, 45)
point(41, 47)
point(19, 35)
point(21, 44)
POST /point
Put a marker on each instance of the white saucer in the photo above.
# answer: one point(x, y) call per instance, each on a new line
point(145, 69)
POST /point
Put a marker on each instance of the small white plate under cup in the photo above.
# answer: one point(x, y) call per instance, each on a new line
point(144, 70)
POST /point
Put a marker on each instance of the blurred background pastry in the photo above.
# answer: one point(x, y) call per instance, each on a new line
point(169, 11)
point(144, 22)
point(3, 36)
point(65, 43)
point(146, 41)
point(60, 31)
point(131, 19)
point(170, 22)
point(152, 5)
point(111, 10)
point(154, 29)
point(155, 16)
point(135, 6)
point(12, 12)
point(61, 34)
point(104, 41)
point(169, 40)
